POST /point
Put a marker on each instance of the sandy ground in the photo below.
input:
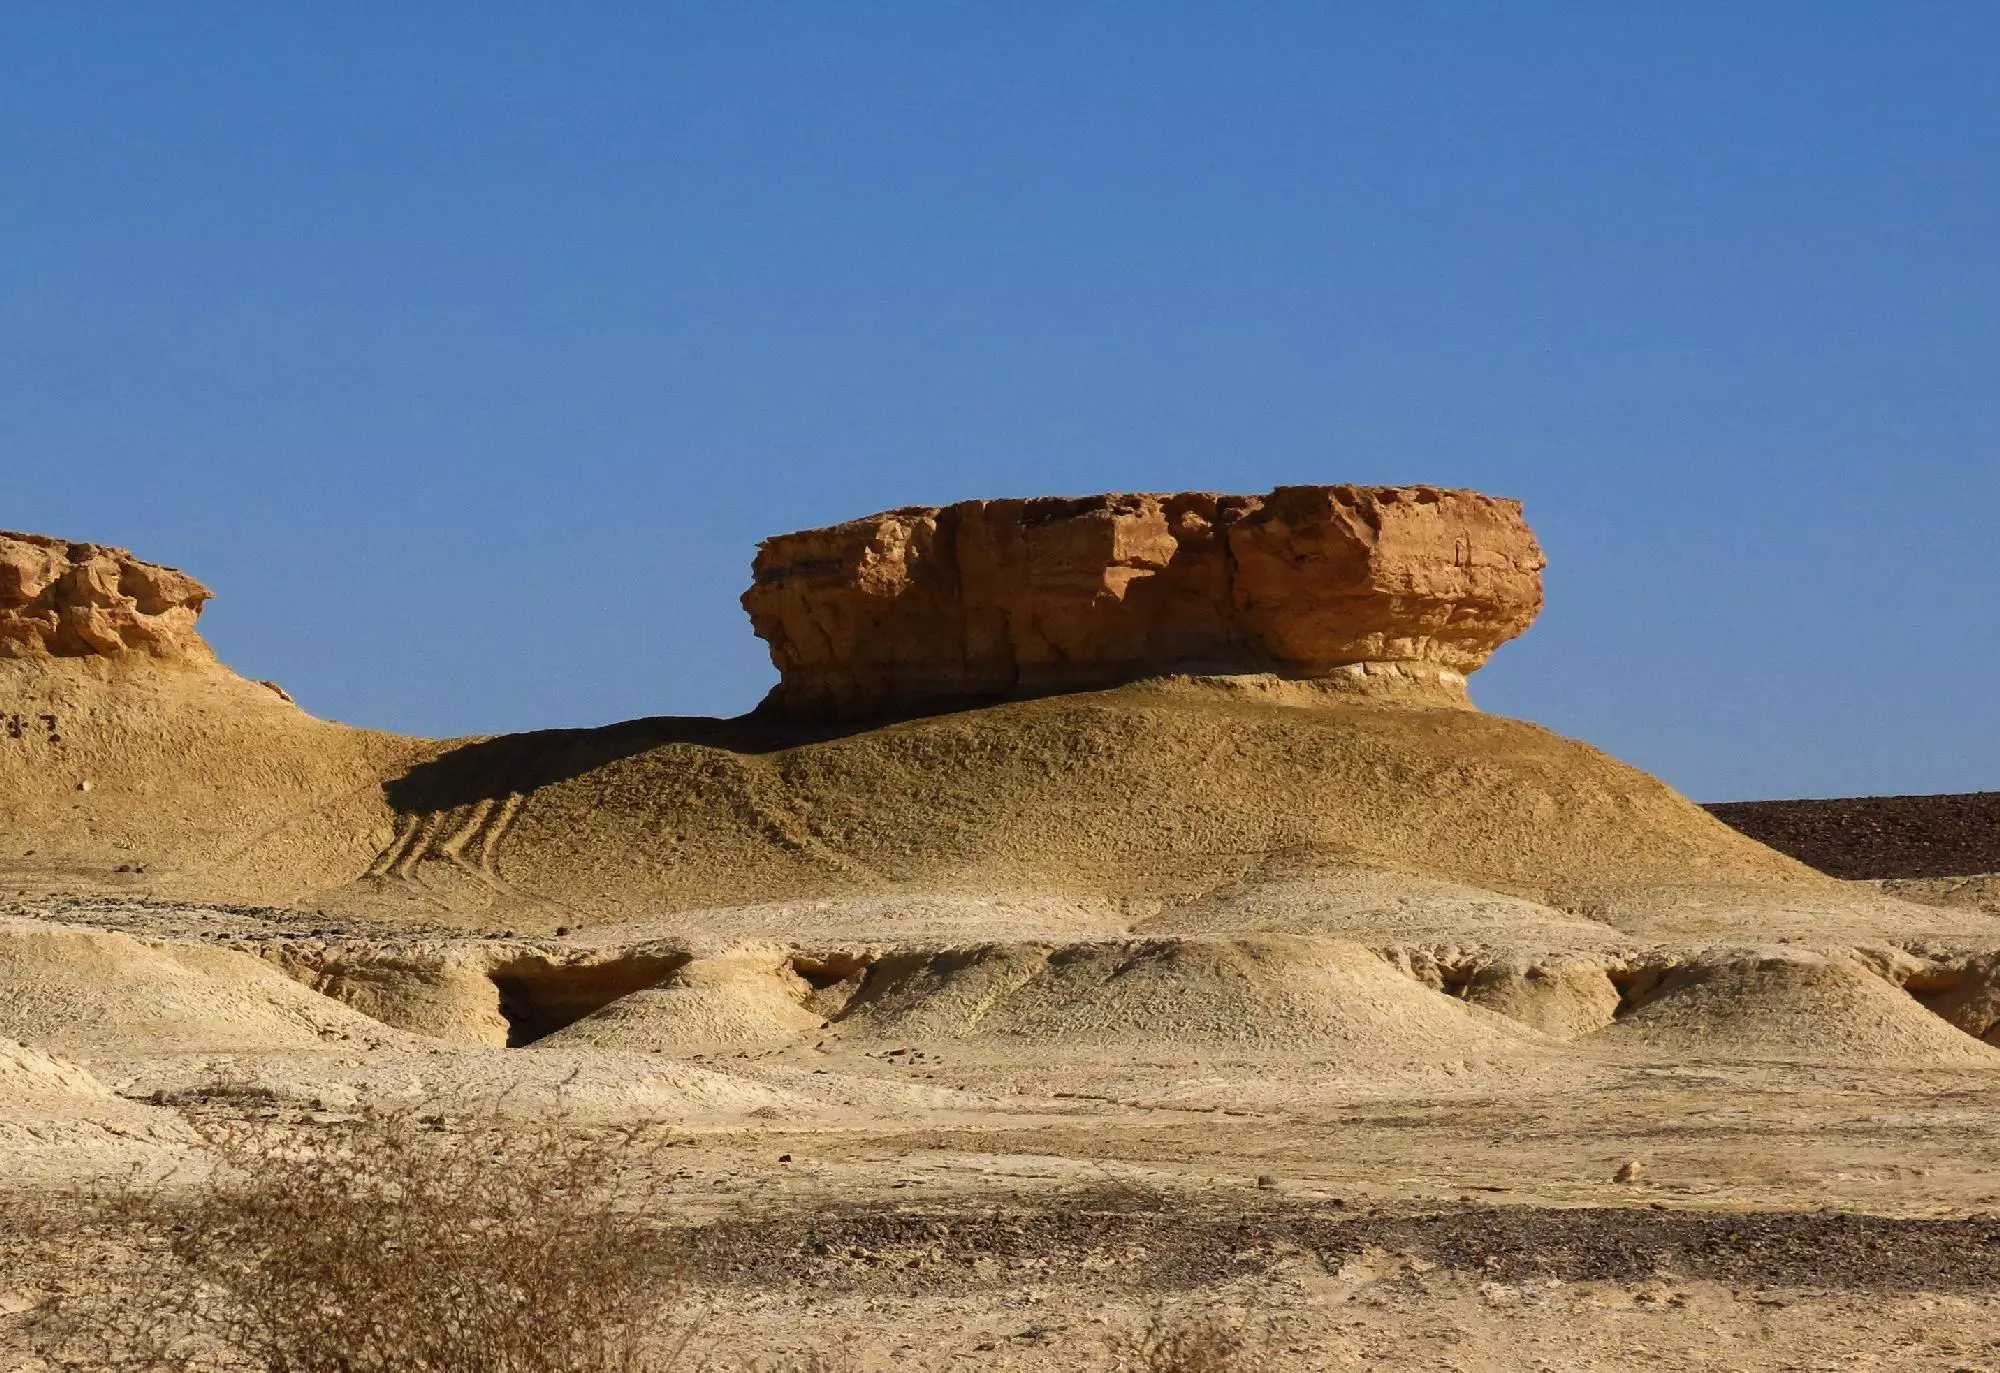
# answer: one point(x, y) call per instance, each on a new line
point(1405, 1038)
point(916, 1213)
point(1779, 1222)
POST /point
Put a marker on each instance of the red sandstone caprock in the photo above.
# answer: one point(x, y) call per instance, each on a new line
point(983, 599)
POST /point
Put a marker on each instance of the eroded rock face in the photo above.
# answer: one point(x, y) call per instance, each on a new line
point(982, 599)
point(77, 600)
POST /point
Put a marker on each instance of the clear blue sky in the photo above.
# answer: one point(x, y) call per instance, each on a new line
point(467, 348)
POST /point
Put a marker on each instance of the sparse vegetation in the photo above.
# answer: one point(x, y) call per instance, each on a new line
point(1202, 1343)
point(378, 1246)
point(387, 1244)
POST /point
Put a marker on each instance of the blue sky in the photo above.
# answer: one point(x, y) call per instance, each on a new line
point(467, 349)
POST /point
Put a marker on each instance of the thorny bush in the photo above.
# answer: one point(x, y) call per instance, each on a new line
point(384, 1246)
point(377, 1246)
point(1203, 1343)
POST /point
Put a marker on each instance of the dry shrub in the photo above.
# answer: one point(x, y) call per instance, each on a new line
point(1205, 1343)
point(374, 1247)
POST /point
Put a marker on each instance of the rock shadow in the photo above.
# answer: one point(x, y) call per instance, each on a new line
point(517, 764)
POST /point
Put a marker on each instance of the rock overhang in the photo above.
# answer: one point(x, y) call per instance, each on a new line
point(63, 599)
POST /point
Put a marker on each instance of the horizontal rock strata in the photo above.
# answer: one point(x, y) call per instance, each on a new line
point(77, 600)
point(927, 605)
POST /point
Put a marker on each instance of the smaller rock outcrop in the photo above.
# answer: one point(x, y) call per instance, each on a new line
point(929, 605)
point(78, 600)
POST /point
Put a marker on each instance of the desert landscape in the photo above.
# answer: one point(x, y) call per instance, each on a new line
point(1117, 941)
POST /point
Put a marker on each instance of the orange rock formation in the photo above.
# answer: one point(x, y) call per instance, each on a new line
point(77, 600)
point(928, 605)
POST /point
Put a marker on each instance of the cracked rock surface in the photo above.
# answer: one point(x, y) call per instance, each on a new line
point(927, 605)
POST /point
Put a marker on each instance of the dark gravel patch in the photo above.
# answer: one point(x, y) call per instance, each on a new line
point(1755, 1249)
point(1180, 1248)
point(1878, 836)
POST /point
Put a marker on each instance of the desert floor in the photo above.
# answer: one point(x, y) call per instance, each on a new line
point(915, 1207)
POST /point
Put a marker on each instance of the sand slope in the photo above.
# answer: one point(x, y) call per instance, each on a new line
point(204, 785)
point(746, 998)
point(88, 994)
point(195, 782)
point(29, 1072)
point(1372, 905)
point(1163, 790)
point(1260, 995)
point(57, 1120)
point(1792, 1007)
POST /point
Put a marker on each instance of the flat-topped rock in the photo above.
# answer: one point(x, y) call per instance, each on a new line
point(77, 600)
point(930, 605)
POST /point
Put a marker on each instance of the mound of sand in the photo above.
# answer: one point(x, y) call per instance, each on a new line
point(182, 779)
point(443, 989)
point(1072, 816)
point(1160, 791)
point(1565, 1000)
point(1839, 912)
point(29, 1072)
point(747, 998)
point(94, 994)
point(1257, 995)
point(59, 1121)
point(1361, 904)
point(1792, 1007)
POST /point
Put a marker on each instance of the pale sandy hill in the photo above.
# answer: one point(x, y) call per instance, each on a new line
point(747, 998)
point(1794, 1006)
point(1817, 913)
point(189, 779)
point(57, 1120)
point(473, 991)
point(1359, 903)
point(94, 994)
point(1077, 813)
point(1274, 999)
point(1163, 790)
point(442, 989)
point(1262, 995)
point(1563, 999)
point(29, 1072)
